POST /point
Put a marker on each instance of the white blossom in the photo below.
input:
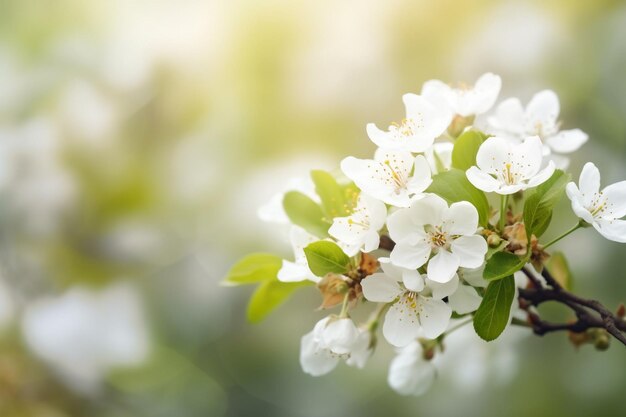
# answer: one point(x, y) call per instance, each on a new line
point(273, 211)
point(539, 118)
point(415, 309)
point(388, 178)
point(409, 372)
point(439, 157)
point(360, 229)
point(466, 100)
point(298, 270)
point(603, 209)
point(331, 340)
point(506, 168)
point(429, 227)
point(424, 122)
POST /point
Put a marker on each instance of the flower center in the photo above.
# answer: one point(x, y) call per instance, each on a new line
point(598, 205)
point(509, 174)
point(396, 175)
point(403, 129)
point(438, 238)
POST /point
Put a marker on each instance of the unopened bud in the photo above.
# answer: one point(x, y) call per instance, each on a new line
point(602, 341)
point(578, 339)
point(458, 125)
point(493, 240)
point(429, 354)
point(621, 311)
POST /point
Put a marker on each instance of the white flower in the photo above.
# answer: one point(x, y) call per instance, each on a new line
point(464, 101)
point(506, 168)
point(332, 340)
point(430, 226)
point(602, 209)
point(84, 333)
point(299, 269)
point(540, 118)
point(410, 373)
point(424, 122)
point(462, 298)
point(387, 176)
point(439, 157)
point(414, 312)
point(360, 229)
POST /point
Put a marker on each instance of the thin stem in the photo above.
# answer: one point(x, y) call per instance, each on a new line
point(552, 242)
point(372, 325)
point(503, 203)
point(344, 306)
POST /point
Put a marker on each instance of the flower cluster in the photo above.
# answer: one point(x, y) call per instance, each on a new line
point(412, 233)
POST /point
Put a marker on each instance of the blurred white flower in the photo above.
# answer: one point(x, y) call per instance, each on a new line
point(604, 209)
point(273, 211)
point(539, 118)
point(409, 372)
point(464, 101)
point(506, 168)
point(439, 157)
point(84, 333)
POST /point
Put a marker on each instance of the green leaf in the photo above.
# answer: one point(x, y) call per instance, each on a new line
point(503, 264)
point(492, 315)
point(465, 149)
point(493, 250)
point(559, 269)
point(270, 295)
point(306, 213)
point(454, 186)
point(256, 267)
point(324, 257)
point(539, 205)
point(331, 194)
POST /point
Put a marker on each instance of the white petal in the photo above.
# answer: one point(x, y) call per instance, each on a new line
point(430, 121)
point(409, 373)
point(529, 155)
point(421, 178)
point(471, 250)
point(542, 176)
point(402, 225)
point(440, 94)
point(401, 324)
point(340, 335)
point(543, 108)
point(360, 351)
point(509, 116)
point(481, 97)
point(589, 182)
point(577, 202)
point(376, 209)
point(615, 195)
point(464, 300)
point(410, 256)
point(381, 138)
point(440, 290)
point(434, 316)
point(482, 180)
point(295, 272)
point(614, 230)
point(567, 141)
point(461, 219)
point(429, 210)
point(473, 276)
point(300, 239)
point(412, 280)
point(493, 154)
point(380, 288)
point(314, 360)
point(443, 266)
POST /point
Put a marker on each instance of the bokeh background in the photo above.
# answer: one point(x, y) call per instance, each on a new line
point(138, 138)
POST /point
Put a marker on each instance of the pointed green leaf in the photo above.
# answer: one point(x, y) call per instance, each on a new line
point(454, 186)
point(331, 194)
point(492, 315)
point(256, 267)
point(324, 257)
point(270, 295)
point(306, 213)
point(503, 264)
point(539, 205)
point(465, 149)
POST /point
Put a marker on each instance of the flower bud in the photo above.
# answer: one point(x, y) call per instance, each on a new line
point(602, 341)
point(494, 240)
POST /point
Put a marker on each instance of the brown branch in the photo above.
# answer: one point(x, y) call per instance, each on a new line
point(590, 314)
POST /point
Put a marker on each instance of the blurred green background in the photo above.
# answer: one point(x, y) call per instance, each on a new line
point(138, 138)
